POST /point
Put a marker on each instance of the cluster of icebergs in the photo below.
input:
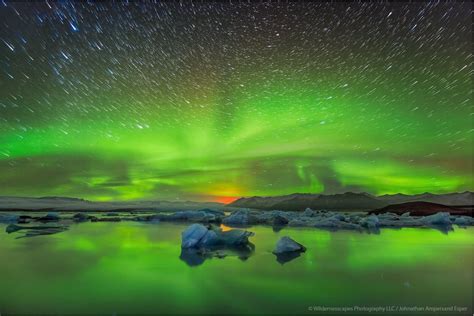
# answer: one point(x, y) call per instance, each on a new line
point(353, 221)
point(244, 217)
point(200, 242)
point(206, 238)
point(321, 219)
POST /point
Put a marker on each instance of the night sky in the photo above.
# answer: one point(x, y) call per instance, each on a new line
point(215, 101)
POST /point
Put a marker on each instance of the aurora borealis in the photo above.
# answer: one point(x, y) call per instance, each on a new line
point(213, 101)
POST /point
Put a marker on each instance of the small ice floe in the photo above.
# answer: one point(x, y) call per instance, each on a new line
point(440, 218)
point(309, 212)
point(279, 220)
point(193, 235)
point(199, 243)
point(50, 217)
point(201, 216)
point(287, 249)
point(8, 218)
point(286, 244)
point(301, 222)
point(200, 236)
point(463, 221)
point(371, 222)
point(82, 217)
point(240, 218)
point(32, 231)
point(335, 222)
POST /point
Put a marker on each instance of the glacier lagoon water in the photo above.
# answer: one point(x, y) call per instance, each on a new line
point(135, 268)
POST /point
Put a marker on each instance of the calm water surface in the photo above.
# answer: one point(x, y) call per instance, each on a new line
point(129, 267)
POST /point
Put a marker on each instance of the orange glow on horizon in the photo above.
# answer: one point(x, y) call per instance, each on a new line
point(225, 199)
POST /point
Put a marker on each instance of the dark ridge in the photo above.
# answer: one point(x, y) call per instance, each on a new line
point(299, 202)
point(421, 209)
point(349, 201)
point(65, 198)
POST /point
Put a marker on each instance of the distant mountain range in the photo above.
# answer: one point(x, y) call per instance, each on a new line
point(293, 202)
point(56, 203)
point(349, 201)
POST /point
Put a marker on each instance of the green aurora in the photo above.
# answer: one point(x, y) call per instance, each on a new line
point(213, 102)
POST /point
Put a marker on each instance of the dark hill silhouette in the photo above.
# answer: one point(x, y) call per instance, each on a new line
point(349, 201)
point(299, 202)
point(421, 209)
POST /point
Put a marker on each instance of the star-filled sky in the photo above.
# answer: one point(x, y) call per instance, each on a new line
point(213, 101)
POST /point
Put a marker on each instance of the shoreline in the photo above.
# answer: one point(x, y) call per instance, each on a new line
point(331, 220)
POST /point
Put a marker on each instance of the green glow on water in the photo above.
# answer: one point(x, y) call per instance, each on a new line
point(135, 268)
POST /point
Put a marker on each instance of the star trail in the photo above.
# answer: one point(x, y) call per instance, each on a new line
point(214, 100)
